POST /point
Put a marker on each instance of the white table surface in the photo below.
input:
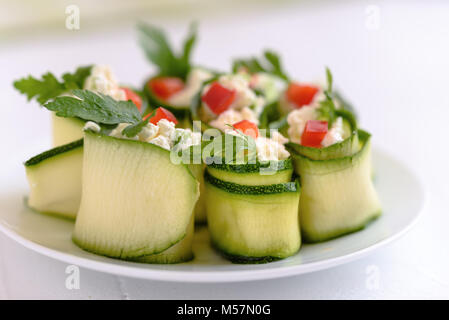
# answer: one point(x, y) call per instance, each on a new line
point(396, 72)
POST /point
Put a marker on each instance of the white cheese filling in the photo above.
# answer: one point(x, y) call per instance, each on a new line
point(164, 134)
point(268, 149)
point(298, 118)
point(232, 116)
point(194, 81)
point(245, 97)
point(102, 80)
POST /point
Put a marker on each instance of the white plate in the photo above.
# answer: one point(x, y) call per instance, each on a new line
point(400, 191)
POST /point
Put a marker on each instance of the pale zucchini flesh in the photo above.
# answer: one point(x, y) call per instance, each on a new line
point(66, 130)
point(200, 207)
point(178, 253)
point(135, 202)
point(54, 178)
point(253, 224)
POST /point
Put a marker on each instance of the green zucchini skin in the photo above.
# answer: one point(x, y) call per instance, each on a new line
point(53, 152)
point(253, 174)
point(338, 195)
point(237, 259)
point(251, 190)
point(253, 224)
point(54, 178)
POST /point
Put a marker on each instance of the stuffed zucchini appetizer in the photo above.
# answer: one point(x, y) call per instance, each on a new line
point(252, 206)
point(176, 81)
point(95, 78)
point(333, 159)
point(126, 210)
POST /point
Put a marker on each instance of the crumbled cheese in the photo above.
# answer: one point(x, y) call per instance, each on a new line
point(148, 132)
point(268, 148)
point(271, 149)
point(102, 80)
point(117, 132)
point(231, 116)
point(278, 137)
point(164, 134)
point(335, 134)
point(187, 138)
point(161, 141)
point(195, 79)
point(244, 95)
point(297, 120)
point(90, 125)
point(166, 129)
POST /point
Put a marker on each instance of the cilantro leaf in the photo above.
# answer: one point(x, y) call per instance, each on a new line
point(271, 63)
point(91, 106)
point(158, 50)
point(49, 87)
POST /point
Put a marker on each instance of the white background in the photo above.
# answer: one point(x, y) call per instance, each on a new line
point(390, 58)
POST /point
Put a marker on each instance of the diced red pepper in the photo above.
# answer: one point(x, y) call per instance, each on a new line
point(218, 98)
point(314, 133)
point(161, 113)
point(301, 95)
point(134, 97)
point(165, 87)
point(247, 127)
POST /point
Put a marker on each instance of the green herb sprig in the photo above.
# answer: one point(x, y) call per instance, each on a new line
point(159, 51)
point(49, 87)
point(270, 63)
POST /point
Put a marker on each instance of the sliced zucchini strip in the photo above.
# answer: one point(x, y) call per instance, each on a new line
point(253, 224)
point(338, 195)
point(66, 130)
point(54, 177)
point(253, 174)
point(135, 202)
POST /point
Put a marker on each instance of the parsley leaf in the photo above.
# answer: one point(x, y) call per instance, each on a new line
point(158, 50)
point(49, 87)
point(76, 80)
point(133, 129)
point(327, 110)
point(271, 63)
point(43, 90)
point(91, 106)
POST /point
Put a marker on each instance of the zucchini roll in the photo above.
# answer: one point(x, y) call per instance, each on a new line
point(176, 81)
point(252, 208)
point(333, 159)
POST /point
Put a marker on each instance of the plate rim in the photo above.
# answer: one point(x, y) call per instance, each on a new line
point(227, 276)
